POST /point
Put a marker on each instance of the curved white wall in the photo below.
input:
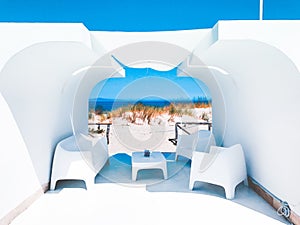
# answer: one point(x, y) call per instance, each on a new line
point(262, 112)
point(282, 34)
point(35, 84)
point(16, 170)
point(211, 78)
point(17, 36)
point(187, 39)
point(38, 87)
point(260, 95)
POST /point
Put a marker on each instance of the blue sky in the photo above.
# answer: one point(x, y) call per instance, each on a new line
point(141, 83)
point(151, 15)
point(139, 15)
point(130, 15)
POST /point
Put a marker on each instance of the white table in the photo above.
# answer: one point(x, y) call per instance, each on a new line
point(156, 160)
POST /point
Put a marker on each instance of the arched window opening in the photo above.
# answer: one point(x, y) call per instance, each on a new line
point(148, 108)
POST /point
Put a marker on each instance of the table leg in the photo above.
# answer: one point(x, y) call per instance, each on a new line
point(134, 173)
point(165, 172)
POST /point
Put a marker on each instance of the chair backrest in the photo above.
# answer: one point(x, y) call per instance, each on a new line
point(232, 156)
point(94, 150)
point(69, 144)
point(187, 140)
point(209, 158)
point(204, 141)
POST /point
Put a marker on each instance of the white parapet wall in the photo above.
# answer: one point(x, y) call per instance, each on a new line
point(18, 177)
point(281, 34)
point(17, 36)
point(262, 102)
point(35, 84)
point(186, 39)
point(37, 89)
point(255, 65)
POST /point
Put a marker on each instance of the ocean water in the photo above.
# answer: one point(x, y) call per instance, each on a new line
point(112, 104)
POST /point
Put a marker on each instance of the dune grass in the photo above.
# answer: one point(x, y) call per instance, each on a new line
point(146, 114)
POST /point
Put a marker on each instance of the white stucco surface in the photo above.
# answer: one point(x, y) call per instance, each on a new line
point(39, 91)
point(257, 98)
point(187, 39)
point(17, 36)
point(282, 34)
point(262, 112)
point(16, 170)
point(35, 84)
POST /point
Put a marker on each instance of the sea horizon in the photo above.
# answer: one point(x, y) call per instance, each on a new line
point(106, 104)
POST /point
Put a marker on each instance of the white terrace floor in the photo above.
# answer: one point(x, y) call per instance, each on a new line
point(132, 202)
point(116, 199)
point(115, 204)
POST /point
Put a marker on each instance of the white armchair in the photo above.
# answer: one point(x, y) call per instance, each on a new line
point(198, 141)
point(80, 158)
point(221, 166)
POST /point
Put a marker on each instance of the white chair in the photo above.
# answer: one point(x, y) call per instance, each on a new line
point(221, 166)
point(198, 141)
point(79, 159)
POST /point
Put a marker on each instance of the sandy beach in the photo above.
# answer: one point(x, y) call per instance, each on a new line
point(140, 137)
point(127, 137)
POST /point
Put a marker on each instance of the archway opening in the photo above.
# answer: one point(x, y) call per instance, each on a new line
point(147, 109)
